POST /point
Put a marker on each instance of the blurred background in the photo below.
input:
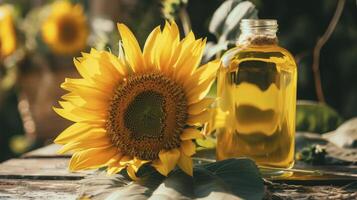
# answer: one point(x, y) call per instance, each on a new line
point(36, 55)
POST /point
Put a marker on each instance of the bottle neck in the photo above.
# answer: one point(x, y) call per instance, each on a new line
point(258, 32)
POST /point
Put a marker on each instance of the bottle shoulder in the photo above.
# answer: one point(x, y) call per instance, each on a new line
point(262, 52)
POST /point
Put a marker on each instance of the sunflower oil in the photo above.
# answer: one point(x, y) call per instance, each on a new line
point(256, 87)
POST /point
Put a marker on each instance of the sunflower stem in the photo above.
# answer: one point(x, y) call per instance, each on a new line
point(185, 20)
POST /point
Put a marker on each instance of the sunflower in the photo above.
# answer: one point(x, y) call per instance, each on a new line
point(7, 31)
point(65, 29)
point(142, 107)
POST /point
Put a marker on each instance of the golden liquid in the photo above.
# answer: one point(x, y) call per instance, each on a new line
point(257, 89)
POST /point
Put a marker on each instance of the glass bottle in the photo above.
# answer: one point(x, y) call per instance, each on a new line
point(256, 88)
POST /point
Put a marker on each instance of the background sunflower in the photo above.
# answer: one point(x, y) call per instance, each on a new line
point(65, 30)
point(7, 31)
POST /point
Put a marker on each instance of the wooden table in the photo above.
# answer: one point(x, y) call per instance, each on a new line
point(42, 174)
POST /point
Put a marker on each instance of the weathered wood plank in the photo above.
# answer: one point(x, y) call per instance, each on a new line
point(313, 192)
point(324, 175)
point(36, 189)
point(49, 151)
point(42, 168)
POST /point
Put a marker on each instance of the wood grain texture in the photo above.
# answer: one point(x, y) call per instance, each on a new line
point(37, 189)
point(43, 174)
point(49, 151)
point(39, 168)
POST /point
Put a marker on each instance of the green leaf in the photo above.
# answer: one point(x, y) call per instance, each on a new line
point(227, 179)
point(225, 24)
point(210, 186)
point(314, 154)
point(207, 142)
point(226, 19)
point(241, 175)
point(177, 185)
point(316, 117)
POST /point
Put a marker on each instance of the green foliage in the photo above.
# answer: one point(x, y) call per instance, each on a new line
point(208, 142)
point(314, 154)
point(316, 117)
point(171, 8)
point(227, 179)
point(225, 24)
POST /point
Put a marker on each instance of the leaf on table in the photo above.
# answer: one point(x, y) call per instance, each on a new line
point(344, 136)
point(306, 139)
point(344, 154)
point(335, 155)
point(316, 117)
point(209, 186)
point(228, 179)
point(241, 174)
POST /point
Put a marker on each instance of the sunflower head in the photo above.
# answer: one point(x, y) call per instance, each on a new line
point(7, 31)
point(65, 29)
point(143, 107)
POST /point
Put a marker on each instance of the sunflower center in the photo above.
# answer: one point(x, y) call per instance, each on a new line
point(68, 30)
point(144, 116)
point(147, 114)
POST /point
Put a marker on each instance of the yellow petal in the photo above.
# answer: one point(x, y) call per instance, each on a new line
point(82, 70)
point(203, 73)
point(78, 101)
point(74, 99)
point(91, 158)
point(203, 117)
point(86, 91)
point(190, 133)
point(175, 32)
point(131, 173)
point(77, 114)
point(114, 165)
point(132, 49)
point(85, 144)
point(108, 71)
point(115, 160)
point(126, 160)
point(191, 63)
point(114, 170)
point(86, 114)
point(183, 51)
point(164, 52)
point(188, 147)
point(78, 131)
point(149, 48)
point(199, 92)
point(184, 60)
point(200, 106)
point(68, 115)
point(185, 163)
point(138, 163)
point(117, 63)
point(71, 84)
point(167, 162)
